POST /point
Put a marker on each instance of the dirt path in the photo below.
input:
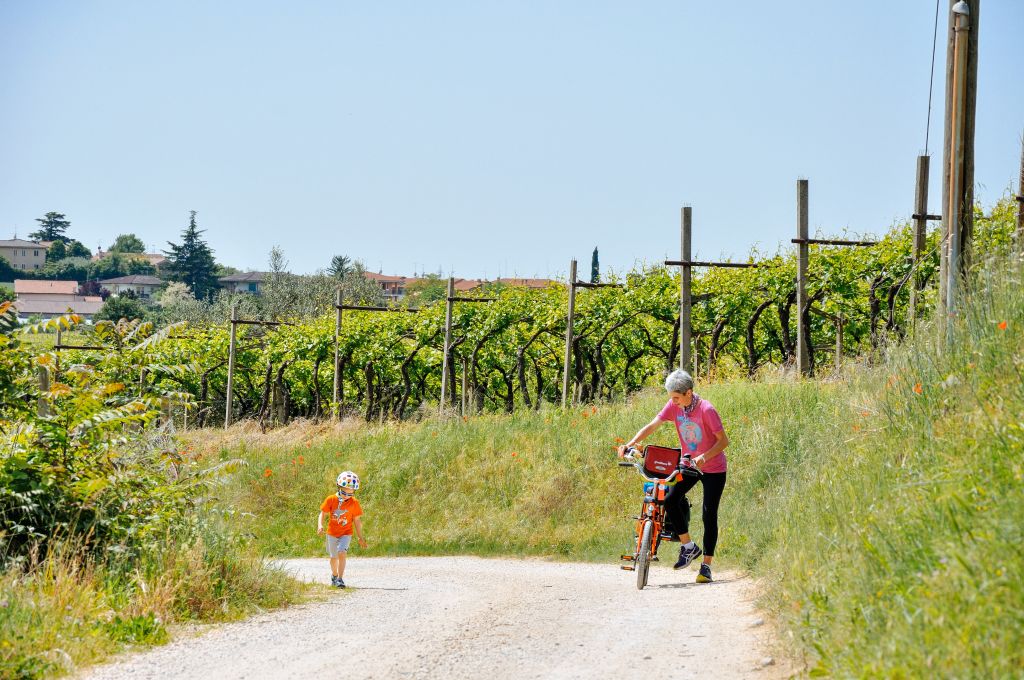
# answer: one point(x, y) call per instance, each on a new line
point(465, 617)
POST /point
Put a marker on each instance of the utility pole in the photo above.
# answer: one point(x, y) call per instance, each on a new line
point(958, 154)
point(1020, 201)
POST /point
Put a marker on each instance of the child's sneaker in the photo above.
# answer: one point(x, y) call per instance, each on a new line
point(704, 575)
point(340, 583)
point(687, 555)
point(334, 580)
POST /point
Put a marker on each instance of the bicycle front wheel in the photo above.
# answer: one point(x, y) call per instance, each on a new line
point(643, 558)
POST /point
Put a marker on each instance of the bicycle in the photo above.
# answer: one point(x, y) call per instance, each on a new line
point(661, 467)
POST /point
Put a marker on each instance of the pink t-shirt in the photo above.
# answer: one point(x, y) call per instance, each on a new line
point(697, 431)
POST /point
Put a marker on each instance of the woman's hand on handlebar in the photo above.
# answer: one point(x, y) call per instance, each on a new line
point(626, 449)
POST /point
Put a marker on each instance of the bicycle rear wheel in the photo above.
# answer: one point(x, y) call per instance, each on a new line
point(643, 558)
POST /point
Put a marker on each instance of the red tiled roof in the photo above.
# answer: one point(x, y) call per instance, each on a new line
point(29, 287)
point(78, 306)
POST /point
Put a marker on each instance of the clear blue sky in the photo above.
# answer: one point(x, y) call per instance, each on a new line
point(482, 138)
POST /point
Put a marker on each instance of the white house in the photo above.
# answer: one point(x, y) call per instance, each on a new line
point(143, 286)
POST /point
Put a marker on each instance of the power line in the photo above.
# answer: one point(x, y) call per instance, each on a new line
point(931, 80)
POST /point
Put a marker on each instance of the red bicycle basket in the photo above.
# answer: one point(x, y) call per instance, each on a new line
point(660, 461)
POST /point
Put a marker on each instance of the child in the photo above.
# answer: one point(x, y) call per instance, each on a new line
point(345, 515)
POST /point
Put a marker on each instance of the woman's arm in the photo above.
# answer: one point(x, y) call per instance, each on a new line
point(723, 441)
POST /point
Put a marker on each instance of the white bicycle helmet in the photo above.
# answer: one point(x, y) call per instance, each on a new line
point(349, 481)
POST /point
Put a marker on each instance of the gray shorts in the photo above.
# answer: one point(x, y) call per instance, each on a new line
point(337, 544)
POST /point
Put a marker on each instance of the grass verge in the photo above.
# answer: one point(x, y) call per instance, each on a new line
point(882, 511)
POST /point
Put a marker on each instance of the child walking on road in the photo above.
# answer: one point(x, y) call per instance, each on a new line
point(345, 515)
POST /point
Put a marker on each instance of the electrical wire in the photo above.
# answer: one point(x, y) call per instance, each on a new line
point(931, 80)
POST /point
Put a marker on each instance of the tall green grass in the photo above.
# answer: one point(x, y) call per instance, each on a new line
point(64, 611)
point(882, 511)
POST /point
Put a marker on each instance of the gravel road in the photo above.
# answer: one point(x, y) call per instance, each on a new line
point(467, 617)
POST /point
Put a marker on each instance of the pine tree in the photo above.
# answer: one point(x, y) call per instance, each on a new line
point(595, 268)
point(52, 226)
point(192, 262)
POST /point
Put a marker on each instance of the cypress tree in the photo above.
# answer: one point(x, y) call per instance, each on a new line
point(595, 268)
point(192, 262)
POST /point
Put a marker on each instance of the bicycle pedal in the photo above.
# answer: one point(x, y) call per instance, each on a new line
point(628, 558)
point(627, 568)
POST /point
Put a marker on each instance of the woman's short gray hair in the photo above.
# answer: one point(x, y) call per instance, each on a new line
point(679, 381)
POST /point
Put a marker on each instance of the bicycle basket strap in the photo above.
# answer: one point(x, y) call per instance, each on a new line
point(660, 461)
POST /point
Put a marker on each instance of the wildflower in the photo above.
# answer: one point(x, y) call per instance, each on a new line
point(620, 440)
point(267, 472)
point(465, 419)
point(917, 388)
point(302, 461)
point(308, 444)
point(593, 410)
point(514, 454)
point(1001, 326)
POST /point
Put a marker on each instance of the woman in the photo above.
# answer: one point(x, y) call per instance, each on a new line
point(702, 437)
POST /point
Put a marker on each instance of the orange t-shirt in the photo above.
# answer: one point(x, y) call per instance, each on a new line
point(342, 514)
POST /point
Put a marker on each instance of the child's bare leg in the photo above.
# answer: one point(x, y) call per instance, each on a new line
point(341, 565)
point(334, 565)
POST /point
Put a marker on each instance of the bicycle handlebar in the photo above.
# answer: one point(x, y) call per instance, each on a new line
point(671, 479)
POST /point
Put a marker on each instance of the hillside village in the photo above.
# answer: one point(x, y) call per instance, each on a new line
point(51, 274)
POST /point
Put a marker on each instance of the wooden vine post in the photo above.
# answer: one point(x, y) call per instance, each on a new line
point(336, 393)
point(339, 307)
point(233, 350)
point(566, 400)
point(570, 337)
point(450, 299)
point(803, 307)
point(802, 253)
point(921, 218)
point(685, 303)
point(231, 366)
point(686, 299)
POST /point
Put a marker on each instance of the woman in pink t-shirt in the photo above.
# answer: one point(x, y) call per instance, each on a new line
point(702, 437)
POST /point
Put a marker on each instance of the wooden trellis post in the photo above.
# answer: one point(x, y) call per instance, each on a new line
point(802, 253)
point(339, 308)
point(685, 304)
point(336, 394)
point(232, 350)
point(686, 359)
point(803, 309)
point(568, 400)
point(231, 366)
point(449, 299)
point(921, 218)
point(568, 333)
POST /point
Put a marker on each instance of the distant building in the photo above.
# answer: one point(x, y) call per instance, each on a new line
point(393, 286)
point(156, 259)
point(24, 255)
point(47, 299)
point(246, 282)
point(143, 286)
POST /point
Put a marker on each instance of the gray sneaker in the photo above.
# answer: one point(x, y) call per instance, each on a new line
point(340, 583)
point(334, 580)
point(687, 555)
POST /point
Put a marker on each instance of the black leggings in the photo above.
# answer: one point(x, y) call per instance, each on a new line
point(678, 507)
